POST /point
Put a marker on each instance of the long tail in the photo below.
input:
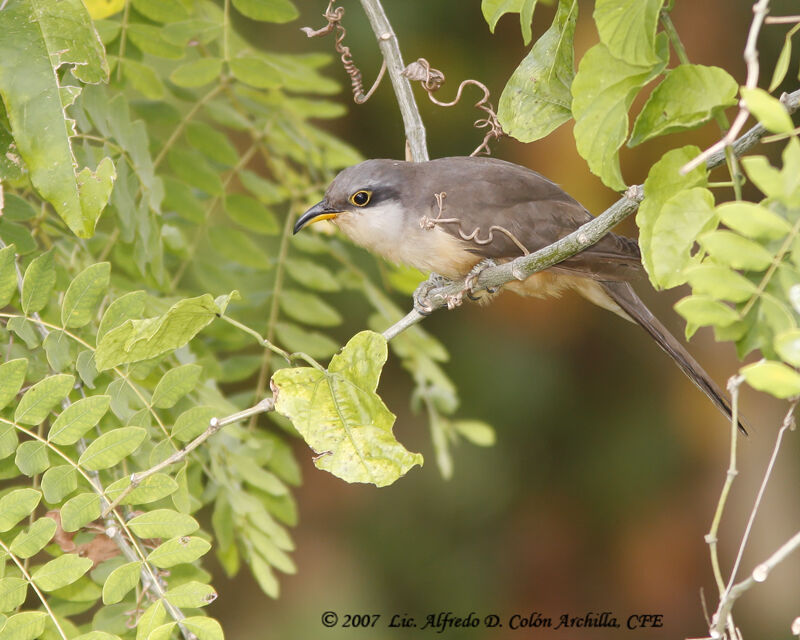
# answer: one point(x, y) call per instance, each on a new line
point(623, 294)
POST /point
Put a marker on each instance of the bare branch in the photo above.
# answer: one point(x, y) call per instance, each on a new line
point(760, 573)
point(387, 41)
point(214, 425)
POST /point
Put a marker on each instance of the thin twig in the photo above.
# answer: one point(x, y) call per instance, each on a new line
point(577, 241)
point(387, 41)
point(214, 425)
point(760, 573)
point(711, 537)
point(760, 10)
point(781, 19)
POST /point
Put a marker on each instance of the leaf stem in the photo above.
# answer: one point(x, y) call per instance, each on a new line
point(30, 581)
point(263, 373)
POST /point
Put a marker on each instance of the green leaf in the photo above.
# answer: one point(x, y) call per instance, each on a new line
point(8, 275)
point(57, 349)
point(24, 626)
point(767, 110)
point(151, 489)
point(175, 384)
point(264, 575)
point(214, 144)
point(702, 310)
point(239, 247)
point(782, 65)
point(279, 11)
point(13, 592)
point(37, 402)
point(153, 617)
point(735, 251)
point(719, 282)
point(493, 10)
point(16, 208)
point(753, 221)
point(12, 375)
point(603, 91)
point(193, 422)
point(191, 595)
point(32, 458)
point(58, 482)
point(537, 98)
point(80, 510)
point(120, 581)
point(148, 39)
point(773, 377)
point(38, 283)
point(309, 309)
point(84, 294)
point(690, 95)
point(18, 235)
point(204, 628)
point(126, 307)
point(77, 419)
point(266, 191)
point(252, 473)
point(312, 275)
point(8, 440)
point(110, 448)
point(60, 572)
point(628, 29)
point(28, 543)
point(137, 340)
point(163, 523)
point(787, 345)
point(477, 432)
point(681, 219)
point(177, 551)
point(36, 38)
point(256, 72)
point(162, 10)
point(315, 344)
point(84, 364)
point(340, 416)
point(251, 214)
point(197, 73)
point(193, 169)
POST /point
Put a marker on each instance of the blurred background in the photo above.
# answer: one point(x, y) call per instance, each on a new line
point(608, 463)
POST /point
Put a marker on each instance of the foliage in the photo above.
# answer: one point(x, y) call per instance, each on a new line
point(741, 259)
point(152, 162)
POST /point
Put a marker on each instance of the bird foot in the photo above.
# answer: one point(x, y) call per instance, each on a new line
point(422, 301)
point(472, 279)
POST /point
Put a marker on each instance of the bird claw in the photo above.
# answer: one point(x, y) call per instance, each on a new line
point(472, 279)
point(422, 302)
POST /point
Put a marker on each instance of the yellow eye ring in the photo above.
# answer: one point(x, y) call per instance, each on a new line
point(361, 198)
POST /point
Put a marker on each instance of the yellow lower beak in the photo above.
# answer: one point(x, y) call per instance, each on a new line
point(319, 211)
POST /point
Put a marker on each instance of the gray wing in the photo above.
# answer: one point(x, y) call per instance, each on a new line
point(526, 212)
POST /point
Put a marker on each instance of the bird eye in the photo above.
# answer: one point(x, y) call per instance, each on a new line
point(361, 198)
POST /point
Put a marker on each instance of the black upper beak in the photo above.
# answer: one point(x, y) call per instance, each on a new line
point(320, 211)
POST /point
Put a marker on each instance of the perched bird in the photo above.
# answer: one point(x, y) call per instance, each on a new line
point(451, 214)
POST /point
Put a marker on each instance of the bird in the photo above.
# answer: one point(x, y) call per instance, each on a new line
point(451, 215)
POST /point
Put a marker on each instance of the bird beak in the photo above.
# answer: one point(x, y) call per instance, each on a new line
point(319, 211)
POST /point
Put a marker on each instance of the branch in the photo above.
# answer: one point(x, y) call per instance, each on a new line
point(760, 10)
point(583, 237)
point(761, 572)
point(390, 48)
point(214, 425)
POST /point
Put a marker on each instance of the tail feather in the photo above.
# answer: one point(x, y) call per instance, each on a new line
point(623, 294)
